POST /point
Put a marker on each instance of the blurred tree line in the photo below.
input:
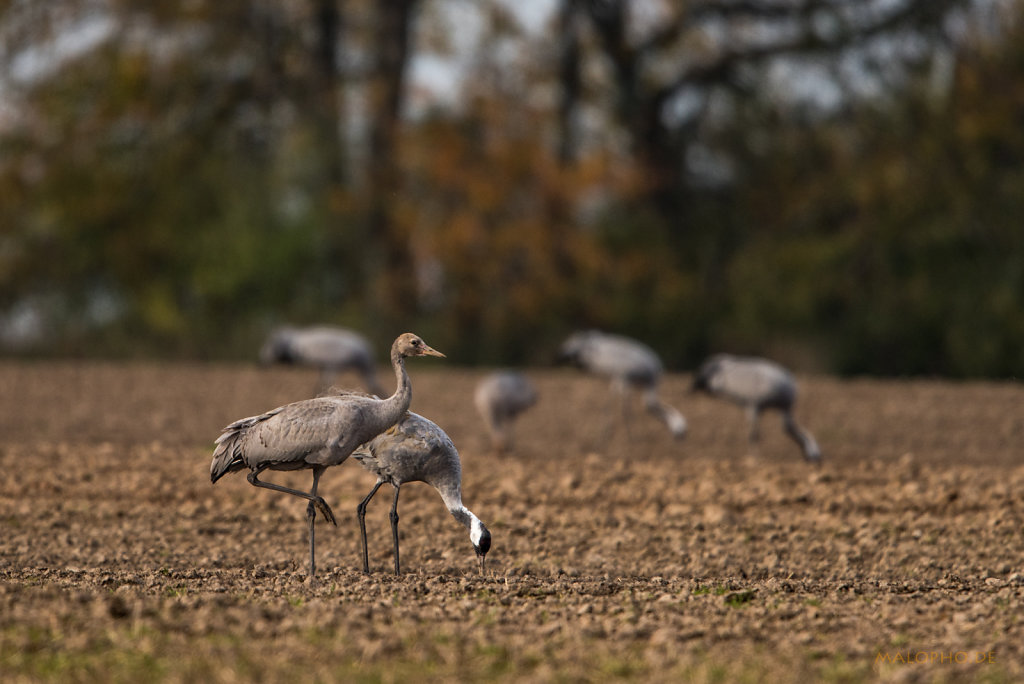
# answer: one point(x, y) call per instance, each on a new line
point(837, 184)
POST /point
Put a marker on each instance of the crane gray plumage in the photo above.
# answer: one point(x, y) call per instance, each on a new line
point(331, 350)
point(500, 397)
point(417, 450)
point(756, 384)
point(629, 364)
point(315, 434)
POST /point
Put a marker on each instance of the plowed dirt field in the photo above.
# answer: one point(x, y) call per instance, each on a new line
point(615, 557)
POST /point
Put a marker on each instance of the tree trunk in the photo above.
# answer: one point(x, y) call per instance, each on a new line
point(570, 80)
point(329, 109)
point(396, 291)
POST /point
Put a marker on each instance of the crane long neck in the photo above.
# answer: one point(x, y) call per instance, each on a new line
point(398, 403)
point(463, 515)
point(803, 438)
point(452, 497)
point(451, 494)
point(468, 519)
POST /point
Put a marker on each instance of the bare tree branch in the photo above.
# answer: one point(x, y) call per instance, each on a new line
point(771, 29)
point(917, 13)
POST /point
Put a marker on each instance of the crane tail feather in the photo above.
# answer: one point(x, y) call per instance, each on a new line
point(227, 456)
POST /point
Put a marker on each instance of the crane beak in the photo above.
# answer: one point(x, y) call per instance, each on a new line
point(427, 350)
point(483, 559)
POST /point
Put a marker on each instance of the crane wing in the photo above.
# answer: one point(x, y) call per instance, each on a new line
point(412, 449)
point(283, 436)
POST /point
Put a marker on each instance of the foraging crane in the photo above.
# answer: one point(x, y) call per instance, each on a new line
point(500, 397)
point(315, 434)
point(331, 350)
point(417, 450)
point(756, 384)
point(628, 363)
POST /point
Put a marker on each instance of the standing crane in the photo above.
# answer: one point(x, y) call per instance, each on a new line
point(500, 397)
point(756, 384)
point(417, 450)
point(629, 364)
point(315, 434)
point(331, 350)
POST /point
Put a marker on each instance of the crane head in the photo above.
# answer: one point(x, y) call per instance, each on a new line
point(573, 347)
point(278, 347)
point(703, 377)
point(409, 344)
point(481, 538)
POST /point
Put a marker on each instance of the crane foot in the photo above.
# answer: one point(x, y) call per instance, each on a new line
point(325, 510)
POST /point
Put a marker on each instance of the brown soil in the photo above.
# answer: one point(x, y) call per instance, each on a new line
point(634, 558)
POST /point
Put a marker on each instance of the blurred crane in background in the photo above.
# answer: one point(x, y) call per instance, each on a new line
point(331, 350)
point(500, 398)
point(756, 384)
point(629, 364)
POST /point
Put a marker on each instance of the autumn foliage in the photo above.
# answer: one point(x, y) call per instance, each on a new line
point(203, 173)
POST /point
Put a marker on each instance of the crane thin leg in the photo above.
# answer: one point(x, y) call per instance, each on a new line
point(361, 514)
point(321, 505)
point(394, 527)
point(753, 417)
point(315, 503)
point(311, 516)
